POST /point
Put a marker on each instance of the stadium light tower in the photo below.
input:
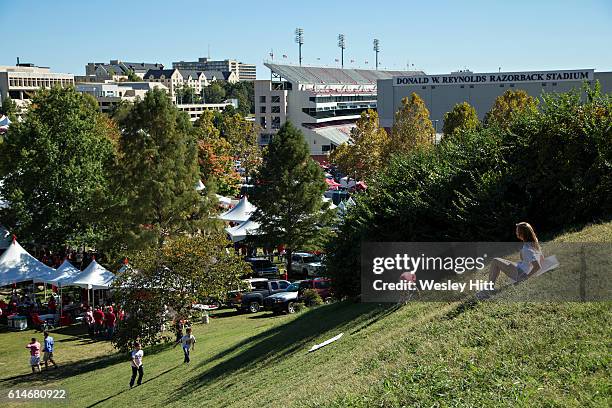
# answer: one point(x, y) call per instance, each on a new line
point(299, 39)
point(376, 49)
point(342, 46)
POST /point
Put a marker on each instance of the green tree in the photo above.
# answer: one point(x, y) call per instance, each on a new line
point(364, 156)
point(157, 172)
point(186, 94)
point(290, 209)
point(58, 162)
point(214, 93)
point(215, 157)
point(242, 137)
point(463, 116)
point(412, 127)
point(132, 77)
point(9, 108)
point(508, 105)
point(167, 280)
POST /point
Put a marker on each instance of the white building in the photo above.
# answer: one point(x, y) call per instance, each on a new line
point(243, 72)
point(324, 103)
point(110, 94)
point(115, 70)
point(21, 82)
point(175, 79)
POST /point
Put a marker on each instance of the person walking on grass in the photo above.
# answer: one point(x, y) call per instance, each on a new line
point(137, 355)
point(188, 342)
point(531, 259)
point(34, 347)
point(48, 347)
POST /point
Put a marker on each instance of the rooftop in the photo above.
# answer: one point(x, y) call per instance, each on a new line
point(334, 76)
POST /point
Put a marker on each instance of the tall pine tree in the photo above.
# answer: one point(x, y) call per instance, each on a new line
point(290, 208)
point(157, 173)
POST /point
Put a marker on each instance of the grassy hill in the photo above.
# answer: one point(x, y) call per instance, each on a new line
point(422, 354)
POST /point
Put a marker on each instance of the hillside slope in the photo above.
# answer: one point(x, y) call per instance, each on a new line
point(422, 354)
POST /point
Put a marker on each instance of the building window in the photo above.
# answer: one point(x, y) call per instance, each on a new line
point(543, 83)
point(275, 99)
point(554, 84)
point(471, 86)
point(276, 122)
point(423, 87)
point(462, 86)
point(262, 109)
point(325, 148)
point(275, 109)
point(262, 99)
point(501, 85)
point(511, 85)
point(262, 122)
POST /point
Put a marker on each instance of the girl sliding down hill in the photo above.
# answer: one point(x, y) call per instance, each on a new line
point(531, 258)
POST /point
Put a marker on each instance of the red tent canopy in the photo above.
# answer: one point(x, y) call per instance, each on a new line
point(332, 184)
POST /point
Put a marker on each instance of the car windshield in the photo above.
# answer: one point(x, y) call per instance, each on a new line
point(262, 263)
point(311, 258)
point(293, 287)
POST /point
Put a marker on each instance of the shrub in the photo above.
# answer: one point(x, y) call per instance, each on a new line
point(312, 298)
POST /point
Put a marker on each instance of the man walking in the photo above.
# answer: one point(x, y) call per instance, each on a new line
point(48, 347)
point(188, 342)
point(137, 355)
point(34, 347)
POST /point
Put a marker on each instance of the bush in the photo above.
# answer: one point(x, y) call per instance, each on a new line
point(312, 298)
point(552, 168)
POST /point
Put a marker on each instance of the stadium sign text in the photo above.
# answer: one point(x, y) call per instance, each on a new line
point(472, 78)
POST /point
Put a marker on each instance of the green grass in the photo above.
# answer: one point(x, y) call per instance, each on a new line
point(422, 354)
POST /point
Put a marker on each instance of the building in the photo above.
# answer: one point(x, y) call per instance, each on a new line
point(175, 79)
point(195, 110)
point(110, 94)
point(442, 92)
point(115, 70)
point(324, 103)
point(21, 82)
point(244, 72)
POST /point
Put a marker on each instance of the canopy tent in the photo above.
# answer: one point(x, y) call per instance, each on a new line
point(64, 272)
point(4, 124)
point(240, 213)
point(223, 200)
point(5, 237)
point(95, 276)
point(332, 206)
point(200, 186)
point(240, 231)
point(345, 205)
point(17, 265)
point(347, 182)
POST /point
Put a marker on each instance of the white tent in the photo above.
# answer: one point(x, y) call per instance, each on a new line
point(332, 206)
point(64, 272)
point(17, 265)
point(240, 231)
point(95, 276)
point(240, 213)
point(223, 200)
point(200, 186)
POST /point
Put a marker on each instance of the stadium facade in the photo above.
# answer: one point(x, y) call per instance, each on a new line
point(442, 92)
point(324, 103)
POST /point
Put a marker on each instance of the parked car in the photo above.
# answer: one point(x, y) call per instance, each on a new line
point(306, 264)
point(253, 301)
point(321, 285)
point(234, 297)
point(283, 301)
point(262, 267)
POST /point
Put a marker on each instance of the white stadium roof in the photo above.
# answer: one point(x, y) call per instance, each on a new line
point(334, 76)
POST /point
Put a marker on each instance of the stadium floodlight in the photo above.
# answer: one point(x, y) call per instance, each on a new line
point(376, 49)
point(299, 39)
point(342, 46)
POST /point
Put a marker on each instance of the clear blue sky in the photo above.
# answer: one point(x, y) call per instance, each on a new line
point(436, 36)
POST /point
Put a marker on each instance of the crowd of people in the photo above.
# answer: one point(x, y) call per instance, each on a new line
point(102, 321)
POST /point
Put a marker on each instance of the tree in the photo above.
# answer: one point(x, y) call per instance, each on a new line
point(214, 93)
point(363, 157)
point(244, 92)
point(215, 157)
point(186, 94)
point(242, 137)
point(58, 163)
point(462, 117)
point(508, 105)
point(157, 172)
point(412, 127)
point(170, 279)
point(9, 108)
point(290, 208)
point(132, 77)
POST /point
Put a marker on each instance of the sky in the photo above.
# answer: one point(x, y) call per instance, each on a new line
point(433, 36)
